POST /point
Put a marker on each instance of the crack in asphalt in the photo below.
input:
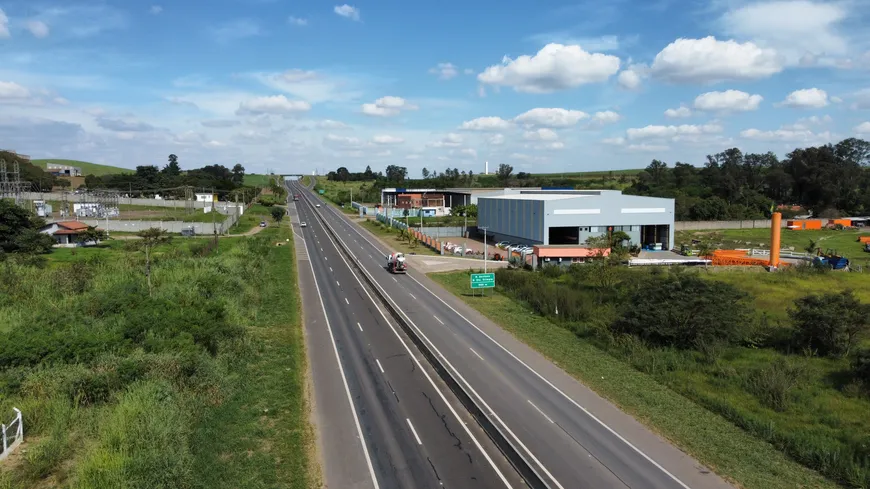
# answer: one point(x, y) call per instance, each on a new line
point(443, 418)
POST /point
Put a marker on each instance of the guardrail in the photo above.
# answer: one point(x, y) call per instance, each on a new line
point(16, 427)
point(513, 455)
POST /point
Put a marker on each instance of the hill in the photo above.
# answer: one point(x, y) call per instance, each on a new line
point(87, 168)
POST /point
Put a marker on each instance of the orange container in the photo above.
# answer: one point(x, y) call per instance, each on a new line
point(813, 224)
point(864, 239)
point(843, 222)
point(798, 224)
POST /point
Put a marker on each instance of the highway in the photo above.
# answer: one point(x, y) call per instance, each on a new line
point(543, 412)
point(415, 433)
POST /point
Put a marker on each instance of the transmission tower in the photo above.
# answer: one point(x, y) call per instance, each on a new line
point(189, 200)
point(64, 204)
point(11, 186)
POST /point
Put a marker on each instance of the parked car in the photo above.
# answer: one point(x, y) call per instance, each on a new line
point(302, 224)
point(502, 244)
point(262, 224)
point(457, 250)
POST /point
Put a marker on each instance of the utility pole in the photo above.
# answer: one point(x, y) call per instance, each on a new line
point(465, 234)
point(213, 217)
point(485, 252)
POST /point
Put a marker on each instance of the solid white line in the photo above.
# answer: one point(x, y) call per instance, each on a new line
point(379, 365)
point(414, 431)
point(436, 318)
point(412, 295)
point(360, 326)
point(477, 354)
point(394, 280)
point(345, 300)
point(343, 377)
point(538, 410)
point(423, 371)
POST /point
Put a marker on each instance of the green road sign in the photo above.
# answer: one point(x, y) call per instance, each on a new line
point(320, 191)
point(482, 280)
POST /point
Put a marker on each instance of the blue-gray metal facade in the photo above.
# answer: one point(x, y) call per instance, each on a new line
point(529, 220)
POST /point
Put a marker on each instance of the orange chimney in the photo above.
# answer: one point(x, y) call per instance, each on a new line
point(775, 229)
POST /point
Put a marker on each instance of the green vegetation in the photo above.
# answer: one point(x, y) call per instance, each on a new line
point(87, 168)
point(745, 397)
point(251, 219)
point(845, 241)
point(278, 213)
point(200, 385)
point(398, 239)
point(589, 174)
point(257, 180)
point(339, 192)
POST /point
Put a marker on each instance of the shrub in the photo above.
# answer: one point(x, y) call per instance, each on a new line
point(552, 271)
point(278, 213)
point(772, 385)
point(861, 365)
point(830, 324)
point(545, 297)
point(684, 311)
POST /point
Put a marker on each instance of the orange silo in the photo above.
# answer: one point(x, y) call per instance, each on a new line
point(775, 231)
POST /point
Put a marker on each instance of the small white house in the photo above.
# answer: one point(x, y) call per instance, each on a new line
point(205, 197)
point(65, 233)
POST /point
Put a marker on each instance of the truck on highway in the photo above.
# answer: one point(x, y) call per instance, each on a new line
point(396, 262)
point(295, 197)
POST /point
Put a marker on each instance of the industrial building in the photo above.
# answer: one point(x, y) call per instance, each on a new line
point(452, 196)
point(561, 218)
point(63, 170)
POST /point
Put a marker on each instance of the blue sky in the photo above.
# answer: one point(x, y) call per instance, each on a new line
point(543, 86)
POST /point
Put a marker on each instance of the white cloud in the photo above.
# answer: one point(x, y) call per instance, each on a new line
point(861, 99)
point(486, 124)
point(836, 100)
point(235, 30)
point(312, 86)
point(276, 104)
point(678, 113)
point(660, 132)
point(496, 139)
point(331, 124)
point(4, 25)
point(451, 140)
point(155, 9)
point(468, 71)
point(387, 139)
point(628, 79)
point(786, 135)
point(38, 28)
point(347, 11)
point(728, 101)
point(557, 145)
point(297, 21)
point(463, 153)
point(709, 60)
point(121, 125)
point(863, 128)
point(554, 67)
point(343, 142)
point(387, 106)
point(606, 117)
point(807, 98)
point(542, 134)
point(551, 117)
point(13, 91)
point(800, 30)
point(445, 71)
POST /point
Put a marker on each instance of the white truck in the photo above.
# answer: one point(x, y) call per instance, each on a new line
point(396, 262)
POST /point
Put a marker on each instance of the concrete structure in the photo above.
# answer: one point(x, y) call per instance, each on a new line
point(570, 217)
point(205, 197)
point(63, 170)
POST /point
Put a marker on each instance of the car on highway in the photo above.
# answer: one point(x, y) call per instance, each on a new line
point(316, 205)
point(262, 224)
point(302, 224)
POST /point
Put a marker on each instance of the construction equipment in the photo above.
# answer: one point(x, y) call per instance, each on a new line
point(832, 260)
point(396, 263)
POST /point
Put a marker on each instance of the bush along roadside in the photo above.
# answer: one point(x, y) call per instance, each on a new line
point(117, 387)
point(800, 384)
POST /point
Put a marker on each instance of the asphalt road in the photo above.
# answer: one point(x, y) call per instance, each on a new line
point(572, 437)
point(415, 433)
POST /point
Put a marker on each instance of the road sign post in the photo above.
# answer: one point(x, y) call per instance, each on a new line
point(482, 281)
point(320, 191)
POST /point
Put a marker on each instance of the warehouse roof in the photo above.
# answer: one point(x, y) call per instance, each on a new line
point(535, 196)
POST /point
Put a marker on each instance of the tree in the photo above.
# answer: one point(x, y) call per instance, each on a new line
point(19, 230)
point(149, 174)
point(278, 213)
point(831, 324)
point(684, 311)
point(396, 173)
point(425, 173)
point(342, 174)
point(91, 235)
point(172, 169)
point(504, 172)
point(368, 174)
point(238, 174)
point(151, 237)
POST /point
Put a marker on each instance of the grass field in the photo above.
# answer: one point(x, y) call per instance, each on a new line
point(589, 174)
point(87, 168)
point(705, 408)
point(198, 385)
point(251, 219)
point(391, 237)
point(845, 242)
point(256, 180)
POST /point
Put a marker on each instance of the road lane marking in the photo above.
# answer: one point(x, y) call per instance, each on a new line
point(417, 437)
point(538, 410)
point(426, 374)
point(360, 326)
point(412, 296)
point(394, 280)
point(379, 365)
point(477, 354)
point(330, 269)
point(345, 300)
point(343, 377)
point(338, 284)
point(436, 318)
